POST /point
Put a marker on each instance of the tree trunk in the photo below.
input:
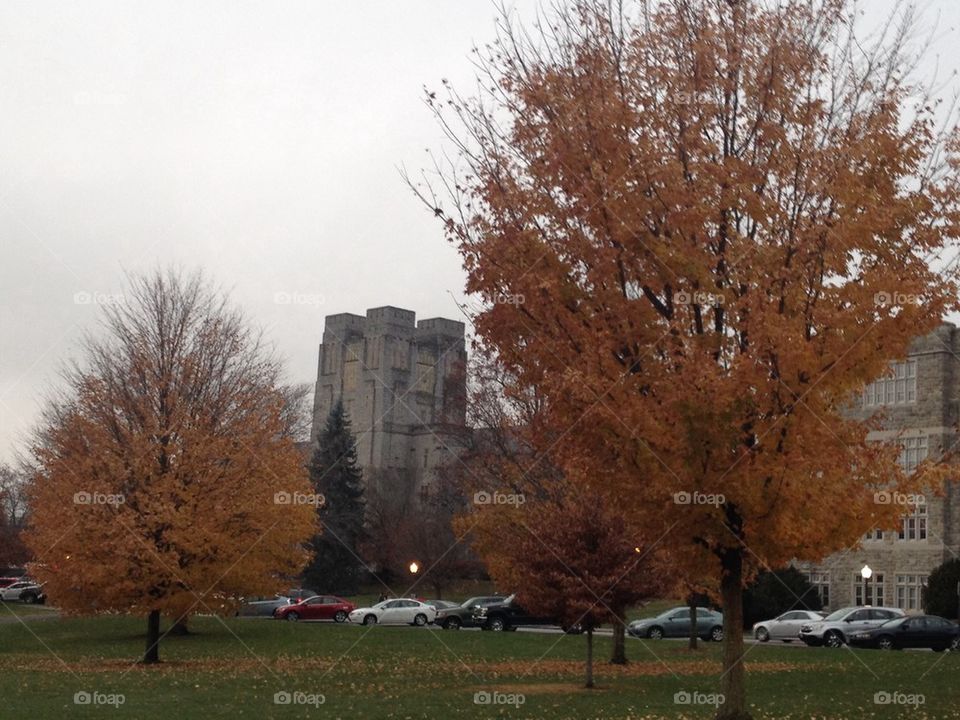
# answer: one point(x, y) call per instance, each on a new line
point(619, 656)
point(733, 682)
point(589, 657)
point(694, 636)
point(152, 653)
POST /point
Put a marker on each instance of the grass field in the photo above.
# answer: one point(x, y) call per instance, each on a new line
point(235, 669)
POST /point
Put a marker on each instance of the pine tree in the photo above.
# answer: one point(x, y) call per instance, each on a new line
point(336, 567)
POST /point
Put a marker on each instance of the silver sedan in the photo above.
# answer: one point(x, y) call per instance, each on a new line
point(786, 627)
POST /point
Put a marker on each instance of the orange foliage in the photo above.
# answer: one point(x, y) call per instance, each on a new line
point(157, 469)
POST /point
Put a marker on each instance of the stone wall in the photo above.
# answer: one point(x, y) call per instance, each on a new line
point(933, 415)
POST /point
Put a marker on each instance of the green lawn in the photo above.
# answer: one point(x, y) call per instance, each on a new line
point(234, 670)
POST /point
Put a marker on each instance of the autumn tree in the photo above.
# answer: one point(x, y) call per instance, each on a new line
point(336, 566)
point(698, 228)
point(572, 558)
point(167, 480)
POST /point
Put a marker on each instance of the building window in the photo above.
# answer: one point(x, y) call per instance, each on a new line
point(868, 592)
point(915, 524)
point(821, 583)
point(899, 387)
point(914, 452)
point(874, 534)
point(910, 591)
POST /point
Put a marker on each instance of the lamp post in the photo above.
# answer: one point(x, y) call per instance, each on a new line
point(866, 572)
point(414, 568)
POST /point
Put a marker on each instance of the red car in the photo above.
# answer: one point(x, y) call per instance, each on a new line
point(318, 607)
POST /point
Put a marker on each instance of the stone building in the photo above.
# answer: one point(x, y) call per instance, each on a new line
point(921, 398)
point(403, 385)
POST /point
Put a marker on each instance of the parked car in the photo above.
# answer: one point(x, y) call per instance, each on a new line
point(676, 623)
point(835, 628)
point(401, 611)
point(300, 594)
point(318, 607)
point(509, 615)
point(462, 615)
point(23, 590)
point(920, 631)
point(786, 627)
point(262, 605)
point(442, 604)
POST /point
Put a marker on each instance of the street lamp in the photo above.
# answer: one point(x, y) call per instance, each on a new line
point(866, 572)
point(414, 568)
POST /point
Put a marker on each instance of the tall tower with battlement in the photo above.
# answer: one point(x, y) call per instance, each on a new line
point(403, 385)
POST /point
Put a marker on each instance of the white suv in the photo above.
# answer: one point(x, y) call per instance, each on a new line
point(836, 627)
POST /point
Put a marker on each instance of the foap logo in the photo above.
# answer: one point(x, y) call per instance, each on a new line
point(298, 498)
point(83, 697)
point(298, 298)
point(888, 299)
point(498, 498)
point(691, 98)
point(508, 299)
point(97, 298)
point(698, 298)
point(97, 498)
point(888, 497)
point(685, 697)
point(297, 697)
point(493, 697)
point(698, 498)
point(898, 698)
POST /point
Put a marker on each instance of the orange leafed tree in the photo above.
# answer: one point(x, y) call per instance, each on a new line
point(699, 228)
point(164, 467)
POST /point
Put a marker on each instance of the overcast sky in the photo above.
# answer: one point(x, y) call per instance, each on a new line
point(259, 141)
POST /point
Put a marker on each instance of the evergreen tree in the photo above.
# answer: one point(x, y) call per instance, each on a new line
point(940, 595)
point(336, 567)
point(774, 593)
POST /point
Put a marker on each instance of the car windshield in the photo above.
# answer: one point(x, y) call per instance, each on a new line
point(837, 614)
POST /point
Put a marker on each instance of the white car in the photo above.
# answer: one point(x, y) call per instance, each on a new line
point(403, 611)
point(785, 627)
point(12, 593)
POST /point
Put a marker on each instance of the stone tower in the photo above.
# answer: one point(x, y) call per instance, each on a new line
point(403, 385)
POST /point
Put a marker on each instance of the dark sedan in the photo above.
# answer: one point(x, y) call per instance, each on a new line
point(921, 631)
point(462, 615)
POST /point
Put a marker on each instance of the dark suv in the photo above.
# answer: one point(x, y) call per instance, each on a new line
point(509, 615)
point(462, 615)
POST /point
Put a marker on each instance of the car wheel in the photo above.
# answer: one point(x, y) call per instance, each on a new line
point(29, 599)
point(833, 639)
point(370, 620)
point(716, 634)
point(655, 633)
point(340, 616)
point(293, 617)
point(955, 645)
point(763, 635)
point(497, 624)
point(452, 623)
point(885, 643)
point(420, 620)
